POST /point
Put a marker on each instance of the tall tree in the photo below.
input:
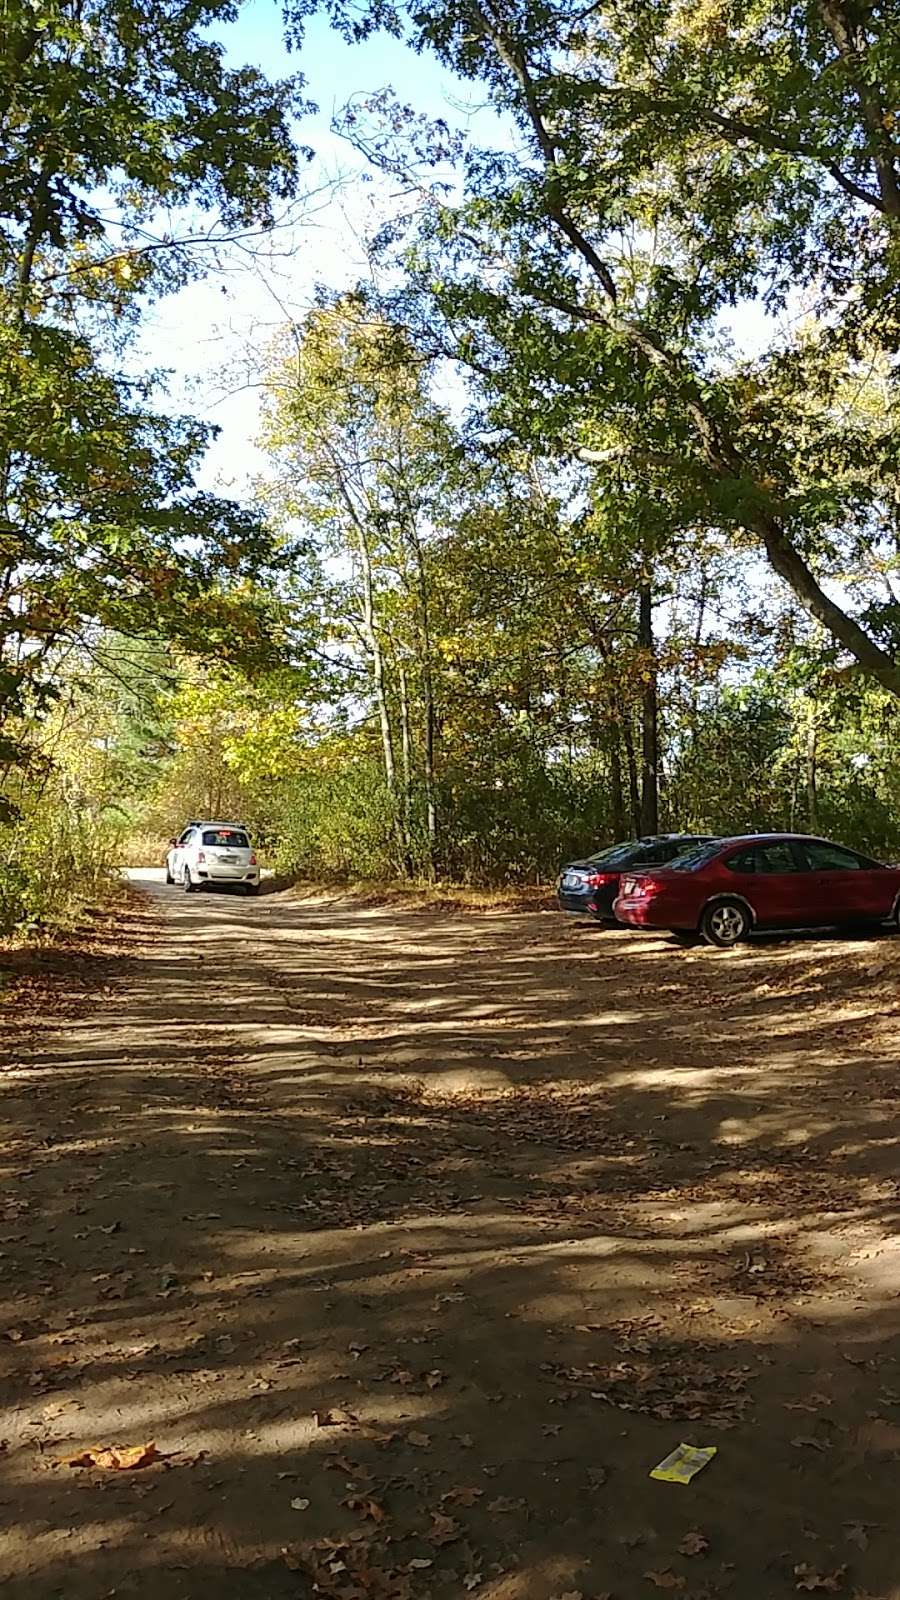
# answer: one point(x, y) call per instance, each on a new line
point(673, 163)
point(113, 115)
point(365, 462)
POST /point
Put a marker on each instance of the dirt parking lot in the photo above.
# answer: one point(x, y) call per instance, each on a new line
point(411, 1239)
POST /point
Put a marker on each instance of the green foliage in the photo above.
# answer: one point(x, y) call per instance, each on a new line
point(58, 855)
point(111, 112)
point(673, 163)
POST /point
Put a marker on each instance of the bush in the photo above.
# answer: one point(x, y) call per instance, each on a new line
point(53, 859)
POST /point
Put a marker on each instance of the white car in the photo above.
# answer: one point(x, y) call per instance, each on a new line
point(213, 852)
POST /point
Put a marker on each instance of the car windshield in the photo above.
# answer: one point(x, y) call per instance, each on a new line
point(226, 839)
point(691, 860)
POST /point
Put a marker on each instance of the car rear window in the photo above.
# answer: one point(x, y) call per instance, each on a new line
point(616, 855)
point(691, 860)
point(226, 839)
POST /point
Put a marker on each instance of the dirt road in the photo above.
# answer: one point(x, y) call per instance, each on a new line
point(412, 1240)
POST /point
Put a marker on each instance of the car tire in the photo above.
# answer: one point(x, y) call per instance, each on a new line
point(251, 888)
point(187, 882)
point(169, 878)
point(725, 923)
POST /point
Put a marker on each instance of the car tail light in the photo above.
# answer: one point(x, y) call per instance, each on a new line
point(596, 880)
point(253, 858)
point(641, 887)
point(201, 855)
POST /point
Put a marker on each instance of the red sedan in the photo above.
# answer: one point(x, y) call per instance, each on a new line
point(725, 889)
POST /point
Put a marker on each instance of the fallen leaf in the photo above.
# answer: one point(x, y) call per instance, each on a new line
point(443, 1529)
point(805, 1441)
point(419, 1564)
point(809, 1579)
point(299, 1505)
point(113, 1459)
point(465, 1439)
point(422, 1441)
point(435, 1379)
point(694, 1543)
point(334, 1418)
point(856, 1533)
point(665, 1580)
point(462, 1497)
point(503, 1504)
point(365, 1506)
point(815, 1402)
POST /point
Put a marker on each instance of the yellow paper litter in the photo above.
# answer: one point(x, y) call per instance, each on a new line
point(683, 1463)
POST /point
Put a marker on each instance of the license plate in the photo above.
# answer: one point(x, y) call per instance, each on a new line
point(228, 861)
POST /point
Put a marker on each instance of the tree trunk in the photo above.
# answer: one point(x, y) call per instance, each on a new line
point(634, 796)
point(428, 711)
point(649, 716)
point(381, 701)
point(406, 742)
point(812, 787)
point(616, 794)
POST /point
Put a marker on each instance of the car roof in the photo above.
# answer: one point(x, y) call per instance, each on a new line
point(662, 838)
point(209, 823)
point(774, 838)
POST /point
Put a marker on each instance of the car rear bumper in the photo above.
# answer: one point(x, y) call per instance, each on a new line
point(598, 904)
point(637, 912)
point(228, 874)
point(577, 905)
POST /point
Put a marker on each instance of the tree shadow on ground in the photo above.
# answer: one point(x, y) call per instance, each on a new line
point(451, 1227)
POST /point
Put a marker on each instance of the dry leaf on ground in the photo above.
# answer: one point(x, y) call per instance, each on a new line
point(112, 1458)
point(694, 1543)
point(299, 1505)
point(809, 1579)
point(335, 1418)
point(665, 1580)
point(857, 1534)
point(462, 1496)
point(443, 1529)
point(365, 1506)
point(421, 1441)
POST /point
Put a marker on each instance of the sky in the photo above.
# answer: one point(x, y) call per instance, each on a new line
point(210, 335)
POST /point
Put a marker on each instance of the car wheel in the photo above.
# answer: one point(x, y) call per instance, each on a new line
point(725, 923)
point(188, 882)
point(169, 878)
point(251, 888)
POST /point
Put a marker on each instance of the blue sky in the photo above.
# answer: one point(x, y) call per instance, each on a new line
point(212, 334)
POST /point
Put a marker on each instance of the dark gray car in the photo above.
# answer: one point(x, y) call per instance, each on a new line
point(588, 887)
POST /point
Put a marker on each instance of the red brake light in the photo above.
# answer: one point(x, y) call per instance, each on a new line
point(253, 858)
point(595, 880)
